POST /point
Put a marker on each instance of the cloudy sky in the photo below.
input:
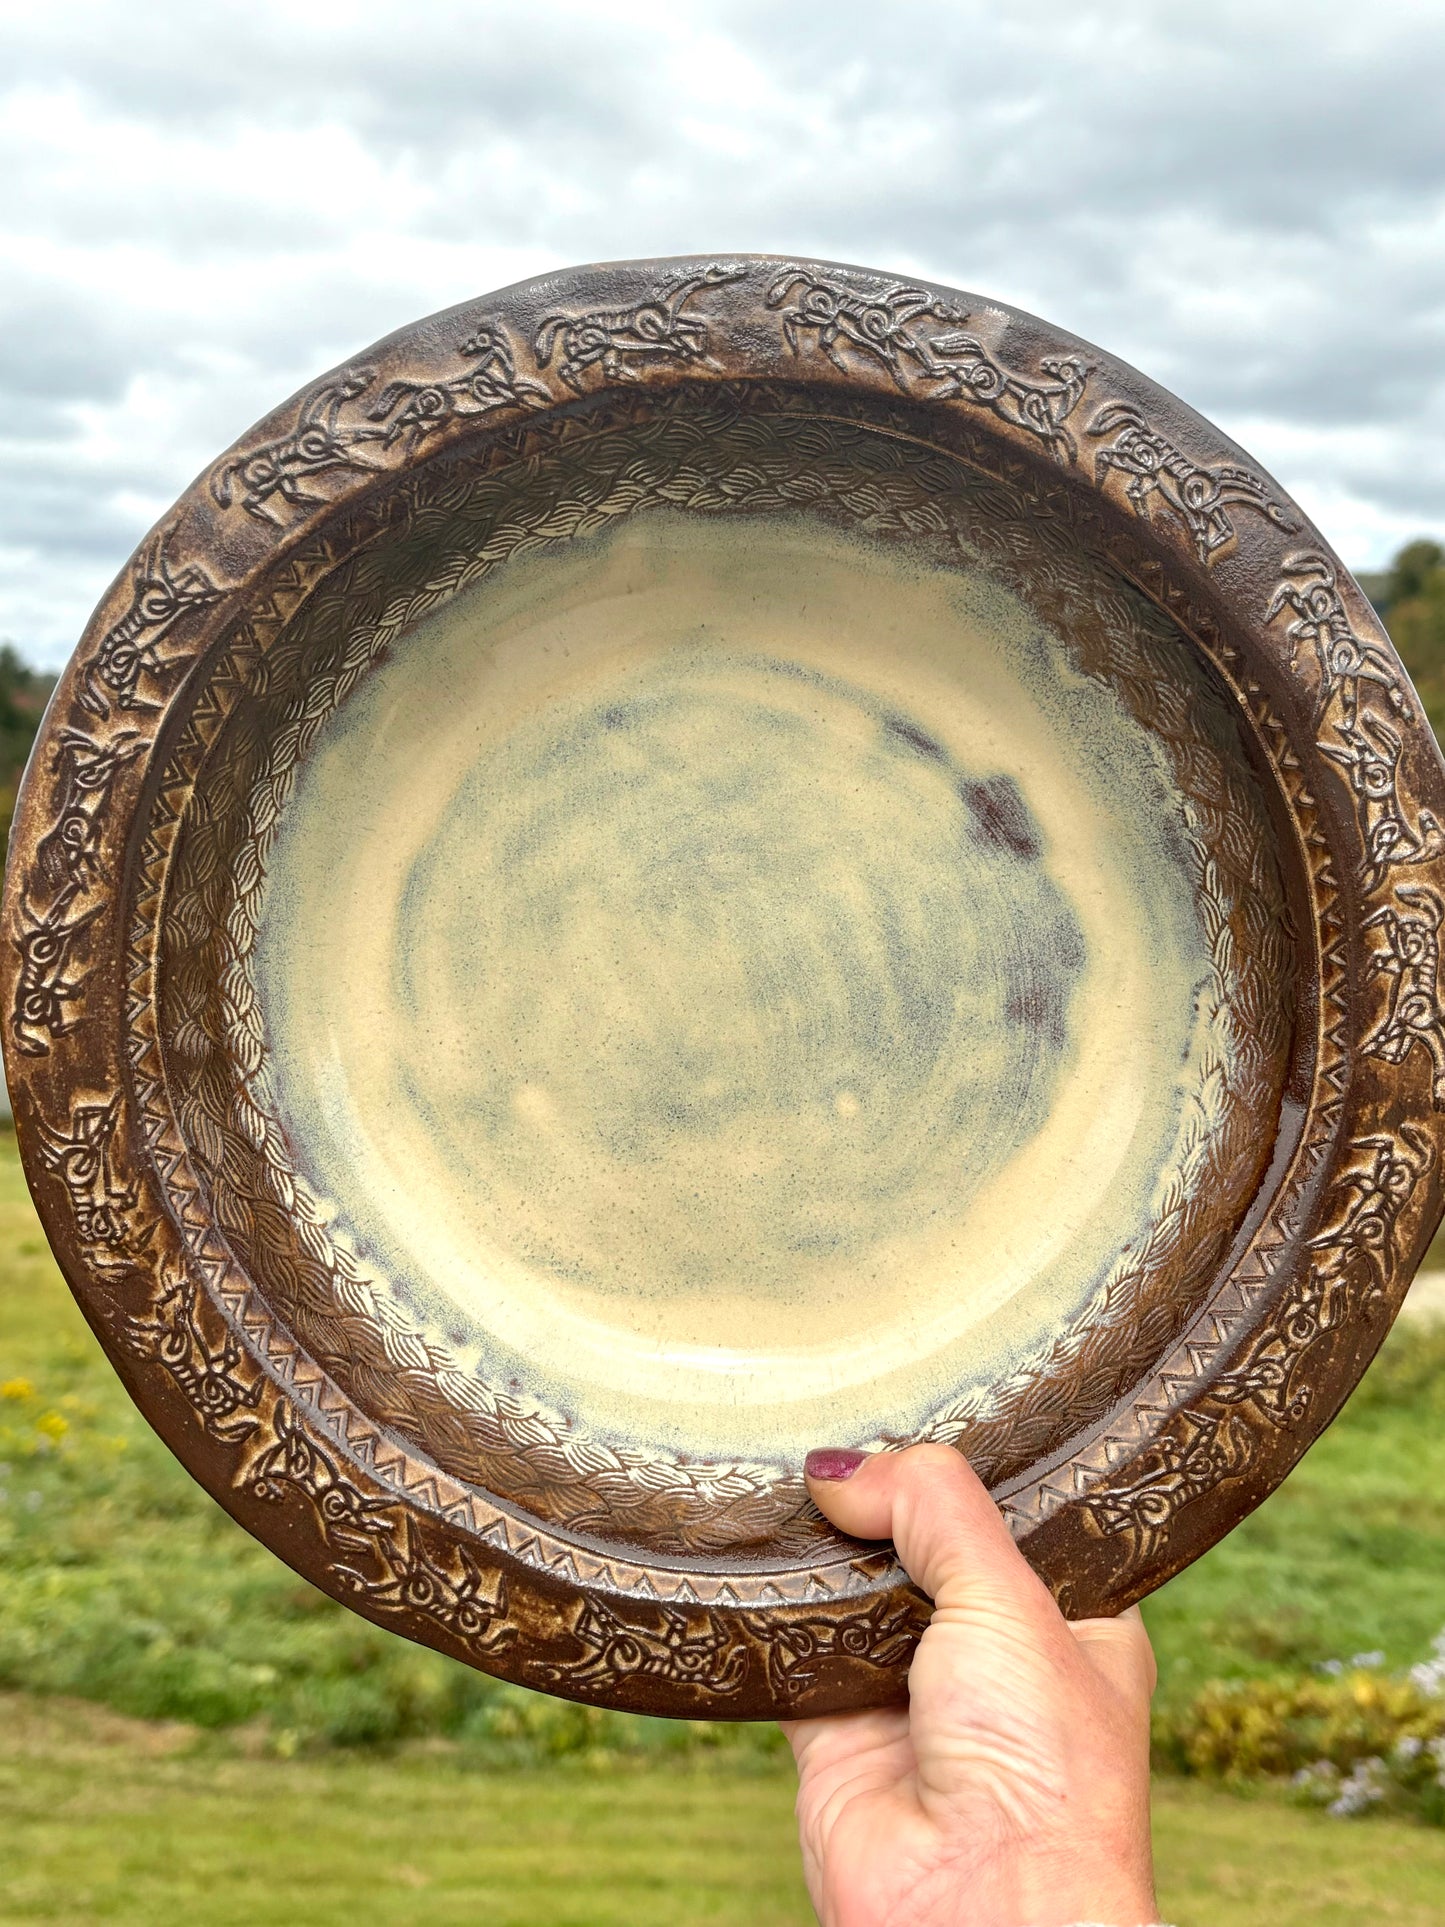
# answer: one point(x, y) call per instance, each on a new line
point(204, 203)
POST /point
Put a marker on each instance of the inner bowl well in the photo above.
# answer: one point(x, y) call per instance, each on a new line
point(729, 980)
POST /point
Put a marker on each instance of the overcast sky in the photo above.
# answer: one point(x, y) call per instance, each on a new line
point(204, 204)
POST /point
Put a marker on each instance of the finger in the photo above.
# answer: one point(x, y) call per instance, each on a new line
point(1119, 1649)
point(950, 1536)
point(848, 1736)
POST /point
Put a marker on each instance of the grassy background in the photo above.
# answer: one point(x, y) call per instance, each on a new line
point(188, 1729)
point(103, 1820)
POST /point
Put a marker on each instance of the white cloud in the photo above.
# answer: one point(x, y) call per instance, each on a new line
point(207, 205)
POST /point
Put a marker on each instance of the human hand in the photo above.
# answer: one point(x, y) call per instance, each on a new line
point(1013, 1790)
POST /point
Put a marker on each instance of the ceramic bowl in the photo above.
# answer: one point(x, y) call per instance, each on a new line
point(702, 858)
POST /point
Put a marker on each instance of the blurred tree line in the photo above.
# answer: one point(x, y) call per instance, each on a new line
point(24, 693)
point(1410, 596)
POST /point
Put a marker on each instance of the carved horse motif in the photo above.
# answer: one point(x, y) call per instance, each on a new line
point(1379, 1189)
point(1369, 752)
point(1311, 590)
point(1199, 496)
point(417, 409)
point(162, 594)
point(620, 341)
point(1410, 959)
point(879, 325)
point(320, 441)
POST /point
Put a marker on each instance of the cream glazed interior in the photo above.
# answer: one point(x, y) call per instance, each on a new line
point(739, 983)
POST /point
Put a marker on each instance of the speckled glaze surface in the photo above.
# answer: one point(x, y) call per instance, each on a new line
point(700, 858)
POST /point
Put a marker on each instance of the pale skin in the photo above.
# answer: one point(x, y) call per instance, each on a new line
point(1013, 1790)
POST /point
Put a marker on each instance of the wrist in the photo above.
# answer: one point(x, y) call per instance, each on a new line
point(1094, 1888)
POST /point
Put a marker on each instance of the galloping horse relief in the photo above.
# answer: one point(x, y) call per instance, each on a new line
point(1199, 496)
point(622, 341)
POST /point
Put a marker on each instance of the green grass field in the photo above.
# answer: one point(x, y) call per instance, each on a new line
point(103, 1819)
point(188, 1730)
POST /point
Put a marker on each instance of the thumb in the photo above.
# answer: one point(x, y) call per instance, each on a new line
point(950, 1536)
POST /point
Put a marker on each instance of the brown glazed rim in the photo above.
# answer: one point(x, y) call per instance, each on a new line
point(1137, 480)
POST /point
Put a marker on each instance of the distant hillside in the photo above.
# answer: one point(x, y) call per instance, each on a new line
point(24, 693)
point(1410, 595)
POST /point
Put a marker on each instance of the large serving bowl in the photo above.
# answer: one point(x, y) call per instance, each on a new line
point(702, 858)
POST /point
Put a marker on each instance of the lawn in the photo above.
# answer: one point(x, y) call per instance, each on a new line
point(316, 1756)
point(104, 1819)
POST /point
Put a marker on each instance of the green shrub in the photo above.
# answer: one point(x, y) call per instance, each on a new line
point(1243, 1729)
point(1355, 1741)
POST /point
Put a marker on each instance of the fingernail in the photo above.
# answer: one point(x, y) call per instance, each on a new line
point(833, 1462)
